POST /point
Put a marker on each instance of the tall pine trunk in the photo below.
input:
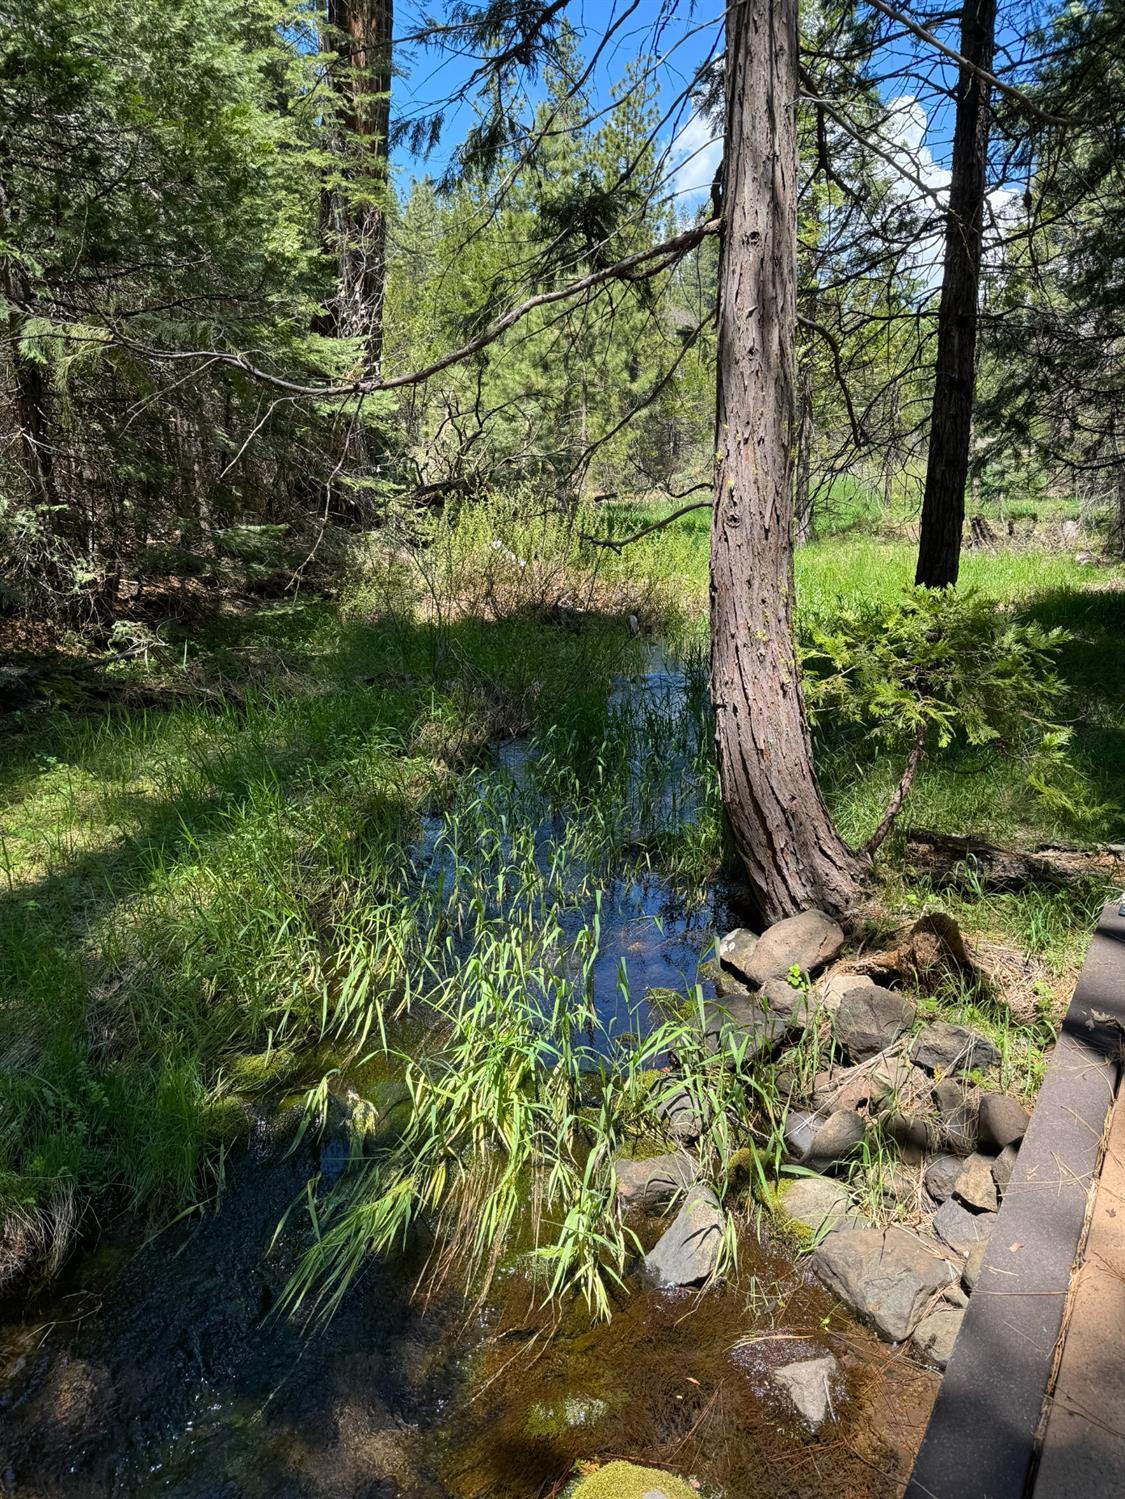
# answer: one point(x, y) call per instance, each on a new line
point(361, 34)
point(947, 465)
point(792, 854)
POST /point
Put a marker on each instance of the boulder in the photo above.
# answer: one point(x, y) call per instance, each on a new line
point(741, 1029)
point(680, 1113)
point(1002, 1168)
point(958, 1111)
point(914, 1133)
point(887, 1275)
point(975, 1186)
point(863, 1087)
point(941, 1176)
point(970, 1271)
point(959, 1228)
point(807, 942)
point(736, 950)
point(653, 1183)
point(868, 1020)
point(687, 1253)
point(782, 998)
point(1003, 1120)
point(818, 1140)
point(808, 1383)
point(831, 988)
point(943, 1047)
point(936, 1334)
point(817, 1204)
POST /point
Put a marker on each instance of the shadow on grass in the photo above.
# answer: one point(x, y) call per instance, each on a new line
point(138, 967)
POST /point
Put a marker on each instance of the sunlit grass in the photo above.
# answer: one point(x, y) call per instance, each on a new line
point(209, 903)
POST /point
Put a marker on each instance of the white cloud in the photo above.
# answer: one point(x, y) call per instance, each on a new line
point(695, 154)
point(904, 135)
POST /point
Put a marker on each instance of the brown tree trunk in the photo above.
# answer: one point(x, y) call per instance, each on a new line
point(361, 34)
point(803, 496)
point(793, 856)
point(947, 465)
point(29, 385)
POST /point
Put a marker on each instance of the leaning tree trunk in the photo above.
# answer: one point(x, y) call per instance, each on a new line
point(361, 34)
point(793, 856)
point(947, 465)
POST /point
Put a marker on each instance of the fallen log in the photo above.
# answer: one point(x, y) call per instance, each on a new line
point(949, 859)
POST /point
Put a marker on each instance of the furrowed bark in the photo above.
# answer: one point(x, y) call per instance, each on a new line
point(947, 464)
point(793, 856)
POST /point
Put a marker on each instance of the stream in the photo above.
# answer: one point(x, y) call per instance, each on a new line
point(163, 1366)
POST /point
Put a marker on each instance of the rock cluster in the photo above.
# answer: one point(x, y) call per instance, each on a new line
point(927, 1085)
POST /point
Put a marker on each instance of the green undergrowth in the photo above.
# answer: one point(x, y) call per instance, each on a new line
point(232, 870)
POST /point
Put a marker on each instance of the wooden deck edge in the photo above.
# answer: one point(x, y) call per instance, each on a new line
point(981, 1439)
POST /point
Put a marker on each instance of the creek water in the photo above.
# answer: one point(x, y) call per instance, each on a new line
point(164, 1367)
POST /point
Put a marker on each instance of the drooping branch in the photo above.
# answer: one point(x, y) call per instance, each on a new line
point(618, 543)
point(637, 267)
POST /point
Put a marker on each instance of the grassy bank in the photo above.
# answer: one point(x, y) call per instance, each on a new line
point(225, 867)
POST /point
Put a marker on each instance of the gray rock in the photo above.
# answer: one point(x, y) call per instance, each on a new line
point(816, 1140)
point(680, 1113)
point(904, 1082)
point(1003, 1166)
point(782, 998)
point(956, 1296)
point(831, 988)
point(741, 1029)
point(869, 1020)
point(958, 1111)
point(959, 1228)
point(947, 1048)
point(736, 950)
point(807, 942)
point(1003, 1120)
point(653, 1183)
point(808, 1383)
point(887, 1275)
point(818, 1204)
point(936, 1334)
point(686, 1255)
point(913, 1132)
point(970, 1272)
point(941, 1176)
point(903, 1184)
point(729, 987)
point(975, 1186)
point(851, 1088)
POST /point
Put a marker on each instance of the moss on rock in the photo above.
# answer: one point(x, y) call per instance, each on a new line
point(619, 1480)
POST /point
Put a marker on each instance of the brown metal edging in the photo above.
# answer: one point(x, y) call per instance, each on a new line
point(981, 1439)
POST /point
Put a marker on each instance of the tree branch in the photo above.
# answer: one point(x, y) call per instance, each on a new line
point(636, 267)
point(617, 544)
point(894, 806)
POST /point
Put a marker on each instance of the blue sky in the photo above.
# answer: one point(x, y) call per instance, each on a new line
point(921, 127)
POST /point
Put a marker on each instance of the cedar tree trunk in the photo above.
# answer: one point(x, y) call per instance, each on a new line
point(793, 856)
point(947, 465)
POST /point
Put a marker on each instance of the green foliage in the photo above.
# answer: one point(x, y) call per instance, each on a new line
point(950, 666)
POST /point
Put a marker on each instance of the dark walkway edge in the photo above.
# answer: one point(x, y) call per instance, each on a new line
point(982, 1438)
